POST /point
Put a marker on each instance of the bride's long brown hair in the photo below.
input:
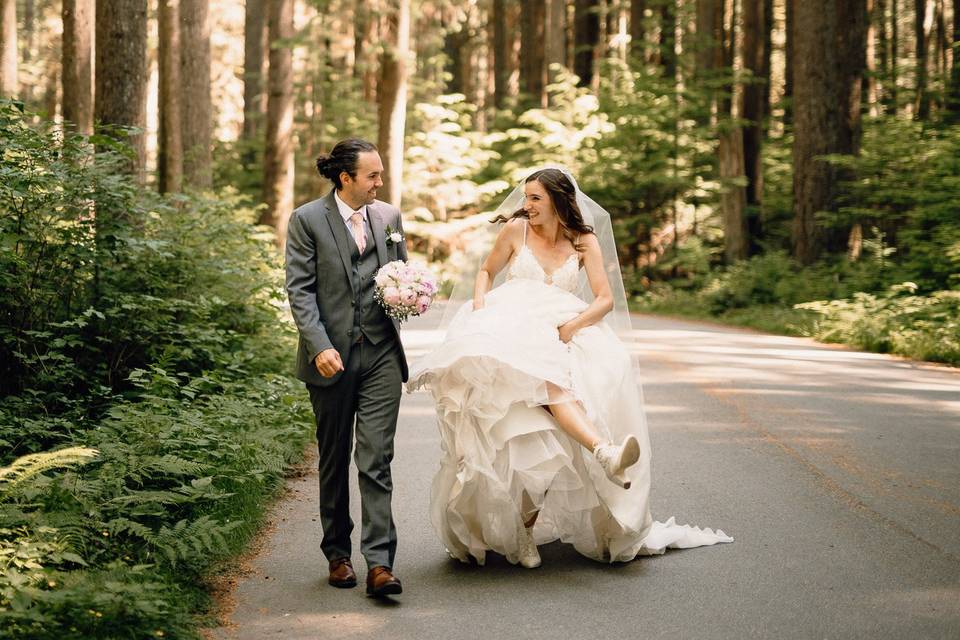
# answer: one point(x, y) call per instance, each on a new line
point(564, 197)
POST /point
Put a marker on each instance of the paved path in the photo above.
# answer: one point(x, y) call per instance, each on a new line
point(837, 472)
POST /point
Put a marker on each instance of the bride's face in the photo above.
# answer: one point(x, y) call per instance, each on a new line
point(538, 204)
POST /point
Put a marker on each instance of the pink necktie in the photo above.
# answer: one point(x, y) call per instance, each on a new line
point(356, 223)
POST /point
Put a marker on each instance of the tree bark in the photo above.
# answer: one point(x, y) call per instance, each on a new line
point(196, 105)
point(393, 99)
point(733, 201)
point(952, 114)
point(586, 37)
point(829, 37)
point(8, 49)
point(668, 38)
point(555, 47)
point(533, 72)
point(870, 78)
point(754, 56)
point(120, 96)
point(921, 103)
point(278, 157)
point(254, 69)
point(77, 63)
point(170, 142)
point(788, 62)
point(501, 54)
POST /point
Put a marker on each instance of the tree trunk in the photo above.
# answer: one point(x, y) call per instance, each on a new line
point(8, 49)
point(668, 38)
point(278, 157)
point(870, 78)
point(767, 56)
point(196, 106)
point(254, 69)
point(120, 97)
point(882, 53)
point(753, 97)
point(555, 47)
point(788, 62)
point(829, 37)
point(170, 142)
point(952, 114)
point(894, 51)
point(77, 62)
point(393, 100)
point(921, 104)
point(586, 37)
point(637, 31)
point(532, 62)
point(733, 201)
point(502, 53)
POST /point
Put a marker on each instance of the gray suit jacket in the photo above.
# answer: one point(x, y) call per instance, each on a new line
point(318, 279)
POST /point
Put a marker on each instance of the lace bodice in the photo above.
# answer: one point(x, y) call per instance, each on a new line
point(526, 265)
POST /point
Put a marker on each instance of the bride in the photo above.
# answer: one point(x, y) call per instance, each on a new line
point(542, 427)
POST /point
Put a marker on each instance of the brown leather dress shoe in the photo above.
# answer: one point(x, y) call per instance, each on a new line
point(380, 582)
point(341, 574)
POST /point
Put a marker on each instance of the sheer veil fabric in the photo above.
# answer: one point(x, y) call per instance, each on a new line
point(503, 456)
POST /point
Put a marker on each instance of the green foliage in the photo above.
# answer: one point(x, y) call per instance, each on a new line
point(145, 329)
point(896, 321)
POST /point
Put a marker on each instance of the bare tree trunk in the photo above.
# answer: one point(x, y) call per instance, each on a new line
point(920, 53)
point(767, 56)
point(894, 52)
point(8, 49)
point(668, 38)
point(393, 100)
point(730, 149)
point(533, 70)
point(278, 157)
point(586, 38)
point(196, 105)
point(788, 56)
point(120, 97)
point(952, 114)
point(883, 54)
point(170, 142)
point(555, 49)
point(870, 78)
point(77, 61)
point(753, 97)
point(254, 69)
point(830, 58)
point(637, 31)
point(501, 54)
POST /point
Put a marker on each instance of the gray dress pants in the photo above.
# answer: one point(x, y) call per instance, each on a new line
point(365, 401)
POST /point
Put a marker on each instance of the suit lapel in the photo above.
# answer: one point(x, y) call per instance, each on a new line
point(379, 235)
point(339, 231)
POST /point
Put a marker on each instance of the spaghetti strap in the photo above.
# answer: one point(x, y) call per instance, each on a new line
point(525, 223)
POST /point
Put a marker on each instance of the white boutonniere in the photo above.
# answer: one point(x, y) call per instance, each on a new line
point(393, 236)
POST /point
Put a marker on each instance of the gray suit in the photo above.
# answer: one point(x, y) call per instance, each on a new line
point(330, 287)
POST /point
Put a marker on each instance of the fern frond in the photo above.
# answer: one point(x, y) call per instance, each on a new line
point(28, 466)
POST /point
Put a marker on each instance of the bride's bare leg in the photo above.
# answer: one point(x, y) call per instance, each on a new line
point(573, 420)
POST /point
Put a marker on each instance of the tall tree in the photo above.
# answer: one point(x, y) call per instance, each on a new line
point(788, 61)
point(668, 37)
point(586, 37)
point(365, 25)
point(393, 99)
point(921, 102)
point(754, 56)
point(278, 157)
point(254, 67)
point(952, 114)
point(829, 41)
point(730, 150)
point(196, 104)
point(120, 96)
point(502, 53)
point(8, 49)
point(77, 62)
point(170, 140)
point(555, 47)
point(532, 61)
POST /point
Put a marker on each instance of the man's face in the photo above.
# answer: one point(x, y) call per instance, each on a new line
point(362, 189)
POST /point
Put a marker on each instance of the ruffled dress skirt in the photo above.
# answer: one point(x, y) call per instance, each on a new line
point(504, 457)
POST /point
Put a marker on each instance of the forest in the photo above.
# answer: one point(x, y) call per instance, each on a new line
point(783, 165)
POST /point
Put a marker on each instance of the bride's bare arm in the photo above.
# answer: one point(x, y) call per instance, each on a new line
point(497, 259)
point(602, 297)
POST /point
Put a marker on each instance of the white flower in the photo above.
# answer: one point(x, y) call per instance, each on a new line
point(396, 237)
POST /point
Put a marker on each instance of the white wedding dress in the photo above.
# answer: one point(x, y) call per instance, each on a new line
point(503, 455)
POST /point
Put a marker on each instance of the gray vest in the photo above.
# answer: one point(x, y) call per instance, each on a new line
point(369, 318)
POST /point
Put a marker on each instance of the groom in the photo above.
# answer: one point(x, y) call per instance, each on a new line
point(349, 354)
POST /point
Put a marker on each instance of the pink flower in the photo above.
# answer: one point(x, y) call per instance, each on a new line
point(391, 295)
point(408, 296)
point(423, 303)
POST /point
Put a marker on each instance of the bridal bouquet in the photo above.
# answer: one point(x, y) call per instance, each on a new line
point(404, 290)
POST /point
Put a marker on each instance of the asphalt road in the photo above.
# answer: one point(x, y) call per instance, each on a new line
point(837, 472)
